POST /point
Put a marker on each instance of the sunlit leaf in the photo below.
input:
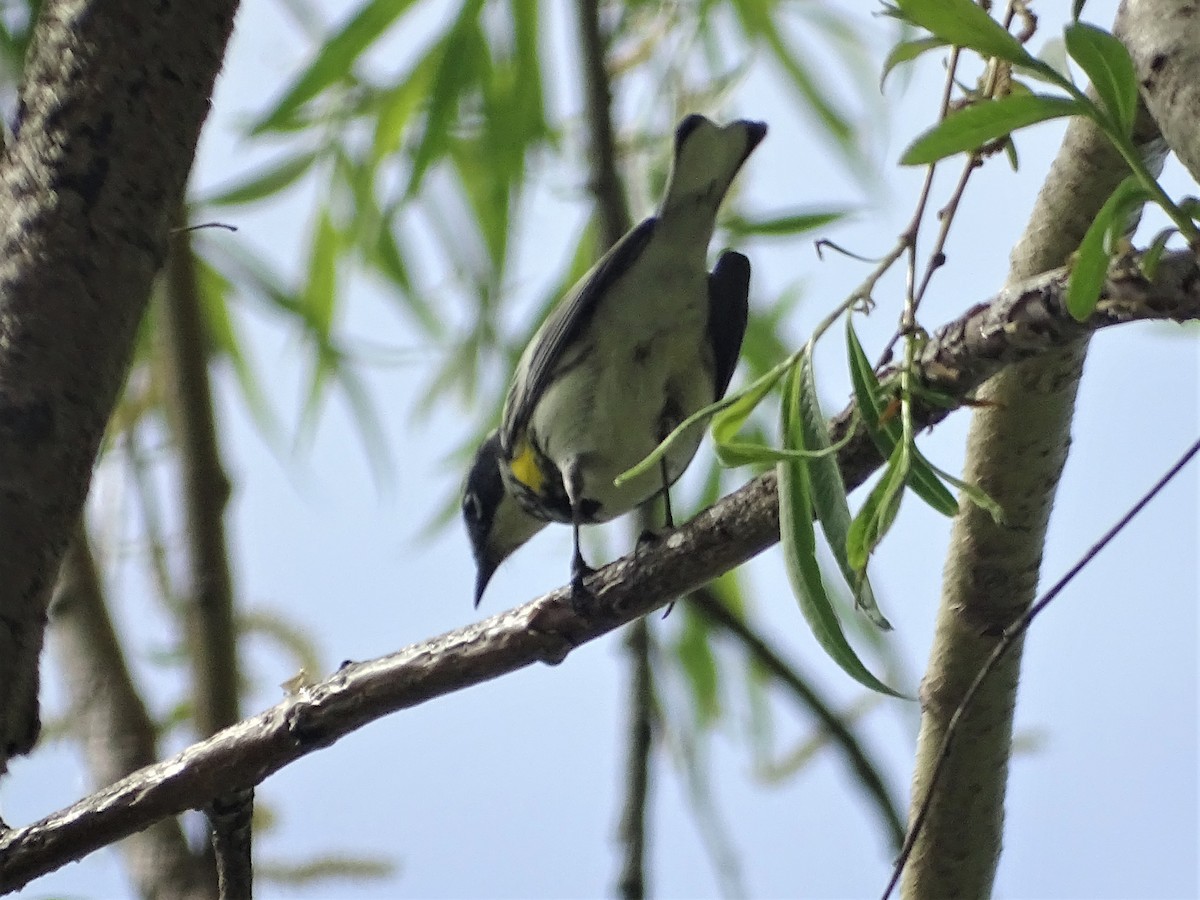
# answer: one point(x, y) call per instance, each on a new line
point(737, 409)
point(981, 123)
point(783, 225)
point(320, 289)
point(965, 23)
point(907, 51)
point(1108, 66)
point(1089, 268)
point(798, 538)
point(458, 66)
point(879, 510)
point(886, 435)
point(699, 664)
point(335, 59)
point(829, 491)
point(263, 183)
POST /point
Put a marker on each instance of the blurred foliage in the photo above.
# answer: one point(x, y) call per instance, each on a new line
point(421, 159)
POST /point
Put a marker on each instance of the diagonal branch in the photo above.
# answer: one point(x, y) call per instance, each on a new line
point(545, 630)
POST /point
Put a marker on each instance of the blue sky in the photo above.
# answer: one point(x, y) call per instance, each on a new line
point(511, 788)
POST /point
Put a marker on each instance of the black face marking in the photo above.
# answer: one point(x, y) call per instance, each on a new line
point(482, 493)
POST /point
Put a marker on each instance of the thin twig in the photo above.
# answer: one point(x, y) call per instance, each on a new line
point(210, 602)
point(631, 884)
point(1013, 633)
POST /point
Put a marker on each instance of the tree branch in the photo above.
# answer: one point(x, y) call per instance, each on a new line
point(110, 109)
point(545, 630)
point(1016, 450)
point(1163, 38)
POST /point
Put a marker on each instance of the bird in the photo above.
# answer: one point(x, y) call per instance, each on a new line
point(646, 338)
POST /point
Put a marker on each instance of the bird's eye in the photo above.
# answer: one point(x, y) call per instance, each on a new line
point(471, 505)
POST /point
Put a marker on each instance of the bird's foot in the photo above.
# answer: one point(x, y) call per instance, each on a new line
point(582, 598)
point(651, 537)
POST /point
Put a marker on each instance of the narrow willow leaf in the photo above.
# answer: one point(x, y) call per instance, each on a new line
point(973, 492)
point(737, 409)
point(335, 60)
point(262, 183)
point(979, 124)
point(320, 290)
point(458, 67)
point(906, 51)
point(886, 435)
point(1153, 254)
point(964, 23)
point(1109, 68)
point(1090, 266)
point(879, 511)
point(829, 491)
point(399, 104)
point(784, 225)
point(214, 291)
point(699, 665)
point(799, 541)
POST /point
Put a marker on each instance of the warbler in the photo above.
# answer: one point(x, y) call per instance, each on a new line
point(646, 338)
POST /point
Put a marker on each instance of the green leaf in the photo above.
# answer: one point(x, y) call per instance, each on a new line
point(799, 547)
point(782, 226)
point(829, 491)
point(335, 59)
point(397, 106)
point(736, 410)
point(1090, 266)
point(214, 290)
point(1153, 254)
point(759, 23)
point(1108, 66)
point(886, 435)
point(974, 126)
point(879, 511)
point(907, 51)
point(973, 492)
point(320, 289)
point(262, 183)
point(458, 66)
point(965, 23)
point(699, 664)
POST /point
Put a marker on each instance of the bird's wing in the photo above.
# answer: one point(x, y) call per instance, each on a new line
point(562, 328)
point(728, 306)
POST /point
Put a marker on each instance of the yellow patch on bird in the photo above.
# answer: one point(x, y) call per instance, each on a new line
point(525, 468)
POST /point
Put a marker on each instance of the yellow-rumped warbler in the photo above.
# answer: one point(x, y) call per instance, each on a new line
point(646, 338)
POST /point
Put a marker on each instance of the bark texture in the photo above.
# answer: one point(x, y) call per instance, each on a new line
point(110, 109)
point(1163, 37)
point(1016, 449)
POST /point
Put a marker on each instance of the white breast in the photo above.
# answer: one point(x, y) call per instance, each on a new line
point(643, 356)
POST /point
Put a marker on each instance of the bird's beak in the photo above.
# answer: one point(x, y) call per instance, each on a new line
point(483, 575)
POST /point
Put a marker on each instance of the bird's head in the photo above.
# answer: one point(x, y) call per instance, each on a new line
point(496, 523)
